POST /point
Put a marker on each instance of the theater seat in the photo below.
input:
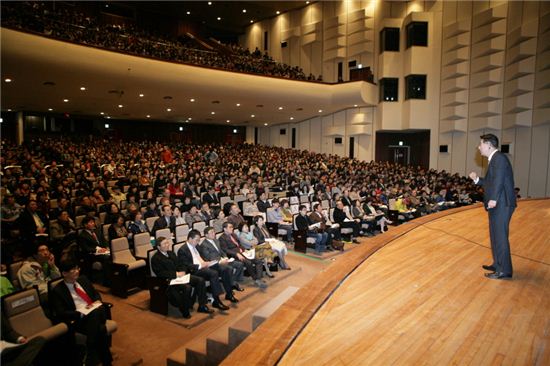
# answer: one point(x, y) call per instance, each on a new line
point(27, 317)
point(128, 272)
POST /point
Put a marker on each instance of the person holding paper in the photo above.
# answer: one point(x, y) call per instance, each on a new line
point(189, 256)
point(210, 249)
point(500, 202)
point(304, 223)
point(166, 265)
point(71, 301)
point(17, 349)
point(230, 244)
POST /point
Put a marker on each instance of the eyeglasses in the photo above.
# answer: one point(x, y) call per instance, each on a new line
point(75, 269)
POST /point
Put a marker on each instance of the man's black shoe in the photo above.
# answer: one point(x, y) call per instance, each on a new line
point(488, 268)
point(204, 309)
point(231, 298)
point(236, 287)
point(220, 305)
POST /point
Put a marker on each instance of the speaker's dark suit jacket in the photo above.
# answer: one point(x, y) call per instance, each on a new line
point(498, 185)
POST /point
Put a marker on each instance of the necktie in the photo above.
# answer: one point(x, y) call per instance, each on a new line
point(95, 236)
point(83, 295)
point(236, 243)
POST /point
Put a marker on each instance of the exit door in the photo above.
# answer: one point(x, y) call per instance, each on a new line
point(400, 154)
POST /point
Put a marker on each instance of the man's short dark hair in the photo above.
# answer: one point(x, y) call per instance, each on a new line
point(87, 219)
point(226, 224)
point(67, 263)
point(315, 207)
point(193, 234)
point(208, 229)
point(301, 207)
point(492, 139)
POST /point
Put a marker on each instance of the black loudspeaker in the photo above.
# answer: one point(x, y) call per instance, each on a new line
point(338, 140)
point(443, 148)
point(505, 148)
point(284, 44)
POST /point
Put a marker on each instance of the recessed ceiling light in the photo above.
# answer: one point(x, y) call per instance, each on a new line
point(7, 80)
point(50, 109)
point(265, 124)
point(291, 118)
point(9, 109)
point(307, 2)
point(181, 128)
point(212, 112)
point(108, 117)
point(238, 104)
point(252, 115)
point(82, 88)
point(120, 106)
point(106, 125)
point(355, 105)
point(280, 108)
point(320, 111)
point(190, 118)
point(210, 3)
point(244, 10)
point(228, 121)
point(192, 100)
point(251, 21)
point(141, 95)
point(148, 116)
point(278, 12)
point(219, 18)
point(65, 100)
point(168, 109)
point(188, 13)
point(102, 113)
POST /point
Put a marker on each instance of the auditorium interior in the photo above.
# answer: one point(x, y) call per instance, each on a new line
point(126, 124)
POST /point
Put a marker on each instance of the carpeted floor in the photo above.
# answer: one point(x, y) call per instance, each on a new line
point(146, 338)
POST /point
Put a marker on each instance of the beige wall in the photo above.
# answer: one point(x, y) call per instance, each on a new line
point(487, 65)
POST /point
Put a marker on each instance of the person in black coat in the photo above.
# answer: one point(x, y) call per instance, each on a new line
point(211, 250)
point(500, 202)
point(166, 265)
point(68, 299)
point(340, 218)
point(190, 257)
point(32, 222)
point(304, 223)
point(229, 243)
point(24, 354)
point(165, 221)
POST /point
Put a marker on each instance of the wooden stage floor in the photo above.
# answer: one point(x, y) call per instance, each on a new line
point(423, 299)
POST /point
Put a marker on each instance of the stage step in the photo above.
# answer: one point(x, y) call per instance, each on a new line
point(223, 341)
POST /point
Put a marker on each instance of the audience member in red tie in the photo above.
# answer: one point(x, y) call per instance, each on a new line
point(70, 300)
point(230, 245)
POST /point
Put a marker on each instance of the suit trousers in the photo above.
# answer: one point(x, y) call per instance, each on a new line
point(254, 267)
point(97, 339)
point(212, 275)
point(499, 227)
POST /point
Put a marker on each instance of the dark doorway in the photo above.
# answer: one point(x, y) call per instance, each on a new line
point(293, 138)
point(340, 72)
point(404, 147)
point(255, 135)
point(351, 147)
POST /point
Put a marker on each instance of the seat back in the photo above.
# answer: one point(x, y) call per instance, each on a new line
point(142, 244)
point(78, 220)
point(102, 217)
point(24, 312)
point(106, 231)
point(325, 204)
point(294, 209)
point(200, 226)
point(150, 222)
point(150, 254)
point(224, 200)
point(164, 233)
point(13, 269)
point(120, 251)
point(294, 200)
point(181, 233)
point(304, 198)
point(176, 247)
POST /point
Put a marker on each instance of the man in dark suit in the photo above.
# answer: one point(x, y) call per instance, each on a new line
point(211, 198)
point(92, 245)
point(193, 262)
point(69, 300)
point(500, 202)
point(166, 265)
point(211, 250)
point(32, 222)
point(26, 353)
point(165, 221)
point(229, 243)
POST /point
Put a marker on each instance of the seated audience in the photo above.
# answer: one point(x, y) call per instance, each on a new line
point(304, 223)
point(38, 269)
point(165, 221)
point(166, 265)
point(275, 215)
point(262, 234)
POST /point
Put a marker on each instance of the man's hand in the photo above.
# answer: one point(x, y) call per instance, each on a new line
point(51, 260)
point(473, 176)
point(180, 274)
point(240, 256)
point(224, 261)
point(492, 204)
